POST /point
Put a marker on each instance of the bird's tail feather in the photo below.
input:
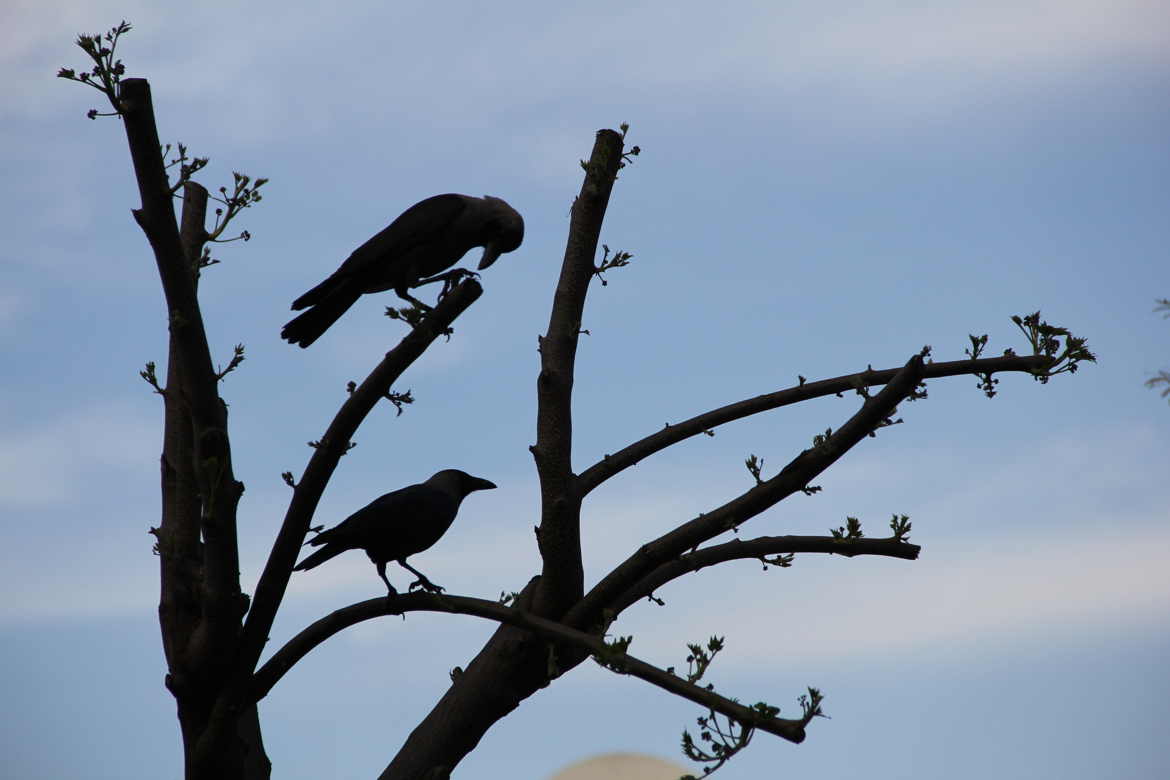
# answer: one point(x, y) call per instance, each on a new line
point(319, 557)
point(317, 294)
point(308, 327)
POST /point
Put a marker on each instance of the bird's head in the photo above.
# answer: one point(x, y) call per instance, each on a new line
point(504, 231)
point(459, 483)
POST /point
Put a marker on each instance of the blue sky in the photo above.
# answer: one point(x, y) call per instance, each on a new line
point(823, 186)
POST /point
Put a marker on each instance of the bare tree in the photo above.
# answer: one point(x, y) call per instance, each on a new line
point(214, 636)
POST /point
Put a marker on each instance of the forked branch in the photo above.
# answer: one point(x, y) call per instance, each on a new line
point(794, 477)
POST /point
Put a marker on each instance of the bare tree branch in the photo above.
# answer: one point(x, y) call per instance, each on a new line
point(217, 485)
point(660, 440)
point(611, 657)
point(589, 611)
point(178, 534)
point(759, 548)
point(193, 233)
point(179, 546)
point(559, 535)
point(511, 666)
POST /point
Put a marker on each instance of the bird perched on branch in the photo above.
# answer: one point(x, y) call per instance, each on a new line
point(426, 239)
point(399, 524)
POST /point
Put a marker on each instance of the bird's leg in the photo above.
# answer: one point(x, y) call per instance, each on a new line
point(382, 573)
point(405, 295)
point(422, 581)
point(449, 280)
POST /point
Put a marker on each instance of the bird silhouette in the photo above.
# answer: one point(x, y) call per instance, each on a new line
point(427, 238)
point(398, 525)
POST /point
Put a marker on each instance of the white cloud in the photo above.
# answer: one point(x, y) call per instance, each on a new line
point(48, 465)
point(964, 593)
point(982, 36)
point(265, 61)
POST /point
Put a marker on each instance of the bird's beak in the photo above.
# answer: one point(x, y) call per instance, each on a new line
point(482, 484)
point(491, 253)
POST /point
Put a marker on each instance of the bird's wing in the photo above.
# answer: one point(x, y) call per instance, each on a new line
point(374, 525)
point(384, 513)
point(398, 524)
point(420, 224)
point(419, 521)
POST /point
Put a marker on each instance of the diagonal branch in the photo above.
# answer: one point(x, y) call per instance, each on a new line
point(792, 478)
point(758, 548)
point(630, 455)
point(274, 580)
point(612, 657)
point(559, 534)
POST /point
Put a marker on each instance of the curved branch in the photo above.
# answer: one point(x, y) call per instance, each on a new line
point(614, 658)
point(793, 477)
point(628, 456)
point(737, 549)
point(335, 442)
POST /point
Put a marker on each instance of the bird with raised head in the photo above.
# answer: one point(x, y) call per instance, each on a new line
point(398, 525)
